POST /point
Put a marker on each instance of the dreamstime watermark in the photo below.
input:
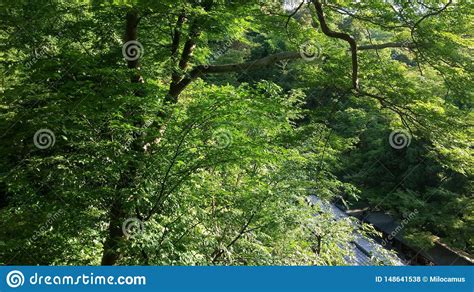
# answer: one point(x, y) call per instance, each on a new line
point(140, 132)
point(219, 52)
point(44, 138)
point(222, 138)
point(132, 50)
point(399, 139)
point(38, 54)
point(46, 226)
point(15, 279)
point(132, 227)
point(400, 227)
point(41, 52)
point(310, 51)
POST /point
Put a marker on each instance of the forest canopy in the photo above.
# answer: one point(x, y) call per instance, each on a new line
point(192, 132)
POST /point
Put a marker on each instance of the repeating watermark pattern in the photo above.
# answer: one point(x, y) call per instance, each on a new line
point(400, 227)
point(44, 138)
point(37, 55)
point(222, 138)
point(132, 227)
point(45, 226)
point(219, 52)
point(140, 132)
point(15, 279)
point(309, 51)
point(399, 139)
point(132, 50)
point(41, 53)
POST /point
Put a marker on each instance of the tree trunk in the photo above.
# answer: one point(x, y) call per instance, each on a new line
point(110, 255)
point(118, 214)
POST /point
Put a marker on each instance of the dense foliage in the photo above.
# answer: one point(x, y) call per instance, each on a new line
point(179, 158)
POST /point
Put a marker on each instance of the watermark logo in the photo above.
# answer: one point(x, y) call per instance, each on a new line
point(15, 279)
point(222, 138)
point(399, 139)
point(44, 138)
point(400, 227)
point(309, 51)
point(132, 227)
point(44, 228)
point(132, 50)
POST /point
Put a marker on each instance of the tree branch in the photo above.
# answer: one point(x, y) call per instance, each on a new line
point(219, 252)
point(188, 49)
point(291, 15)
point(177, 87)
point(434, 13)
point(406, 44)
point(217, 69)
point(189, 46)
point(175, 45)
point(368, 19)
point(201, 70)
point(339, 35)
point(132, 20)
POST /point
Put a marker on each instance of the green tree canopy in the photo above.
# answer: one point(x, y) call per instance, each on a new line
point(191, 132)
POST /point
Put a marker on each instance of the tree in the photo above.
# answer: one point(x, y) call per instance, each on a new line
point(177, 138)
